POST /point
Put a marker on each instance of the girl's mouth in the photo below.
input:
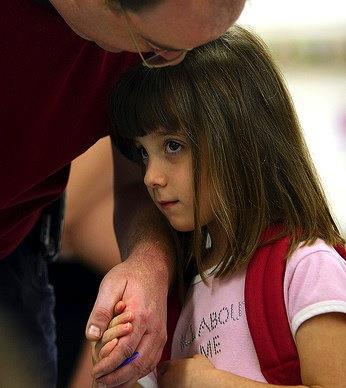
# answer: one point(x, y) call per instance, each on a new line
point(167, 204)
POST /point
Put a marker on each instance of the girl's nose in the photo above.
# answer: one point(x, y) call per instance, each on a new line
point(154, 176)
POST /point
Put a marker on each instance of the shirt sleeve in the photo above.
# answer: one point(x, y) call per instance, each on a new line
point(148, 381)
point(314, 284)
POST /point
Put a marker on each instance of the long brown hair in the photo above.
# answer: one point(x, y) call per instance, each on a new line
point(230, 100)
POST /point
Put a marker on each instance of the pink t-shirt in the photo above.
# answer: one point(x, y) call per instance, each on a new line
point(213, 320)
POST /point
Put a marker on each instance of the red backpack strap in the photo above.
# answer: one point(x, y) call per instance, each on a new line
point(266, 313)
point(341, 251)
point(173, 312)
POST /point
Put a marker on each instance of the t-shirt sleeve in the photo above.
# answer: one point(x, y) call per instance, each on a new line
point(314, 284)
point(148, 381)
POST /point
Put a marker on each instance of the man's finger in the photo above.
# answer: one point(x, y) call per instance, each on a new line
point(103, 310)
point(125, 348)
point(140, 367)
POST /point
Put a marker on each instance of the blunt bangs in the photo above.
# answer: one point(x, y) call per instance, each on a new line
point(145, 100)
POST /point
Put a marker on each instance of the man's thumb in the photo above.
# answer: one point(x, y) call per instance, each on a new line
point(101, 314)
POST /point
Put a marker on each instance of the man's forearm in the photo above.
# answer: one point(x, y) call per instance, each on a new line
point(139, 225)
point(142, 232)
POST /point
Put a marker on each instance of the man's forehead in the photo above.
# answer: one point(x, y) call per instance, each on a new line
point(177, 25)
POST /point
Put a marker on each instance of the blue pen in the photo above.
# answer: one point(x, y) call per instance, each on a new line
point(128, 360)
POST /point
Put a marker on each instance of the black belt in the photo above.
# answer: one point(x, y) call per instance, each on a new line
point(45, 237)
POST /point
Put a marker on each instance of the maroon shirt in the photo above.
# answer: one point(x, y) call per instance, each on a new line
point(53, 91)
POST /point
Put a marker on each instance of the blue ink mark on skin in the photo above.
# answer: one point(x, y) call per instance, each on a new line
point(128, 360)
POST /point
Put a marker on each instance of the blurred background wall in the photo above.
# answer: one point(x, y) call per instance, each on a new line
point(308, 40)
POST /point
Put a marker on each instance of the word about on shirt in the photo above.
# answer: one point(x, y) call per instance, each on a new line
point(195, 333)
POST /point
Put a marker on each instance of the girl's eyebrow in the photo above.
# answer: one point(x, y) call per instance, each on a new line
point(161, 132)
point(167, 132)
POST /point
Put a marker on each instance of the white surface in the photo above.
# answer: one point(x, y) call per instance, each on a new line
point(312, 16)
point(319, 95)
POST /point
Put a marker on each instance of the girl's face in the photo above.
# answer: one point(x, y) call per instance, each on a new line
point(169, 178)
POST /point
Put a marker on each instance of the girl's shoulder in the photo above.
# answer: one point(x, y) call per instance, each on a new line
point(317, 259)
point(318, 250)
point(314, 283)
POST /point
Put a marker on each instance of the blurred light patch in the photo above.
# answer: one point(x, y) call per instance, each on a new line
point(308, 40)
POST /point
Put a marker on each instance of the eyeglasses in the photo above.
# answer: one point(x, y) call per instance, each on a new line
point(156, 60)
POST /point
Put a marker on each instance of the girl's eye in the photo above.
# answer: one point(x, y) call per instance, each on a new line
point(143, 153)
point(173, 147)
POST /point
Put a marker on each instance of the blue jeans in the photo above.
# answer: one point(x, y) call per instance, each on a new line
point(28, 299)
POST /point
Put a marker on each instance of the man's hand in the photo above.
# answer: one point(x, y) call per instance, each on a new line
point(143, 287)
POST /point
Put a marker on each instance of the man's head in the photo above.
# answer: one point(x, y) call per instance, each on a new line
point(158, 25)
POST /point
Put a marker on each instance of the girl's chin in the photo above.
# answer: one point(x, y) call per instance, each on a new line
point(182, 228)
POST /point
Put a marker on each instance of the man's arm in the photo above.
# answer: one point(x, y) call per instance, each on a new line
point(142, 281)
point(136, 218)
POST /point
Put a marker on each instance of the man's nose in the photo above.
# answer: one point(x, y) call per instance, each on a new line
point(171, 57)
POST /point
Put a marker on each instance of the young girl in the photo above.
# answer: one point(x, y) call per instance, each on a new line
point(225, 162)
